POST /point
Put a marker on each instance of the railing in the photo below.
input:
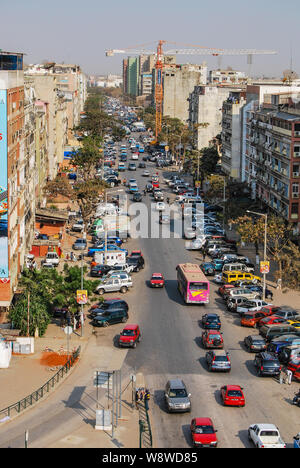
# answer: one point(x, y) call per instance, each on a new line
point(41, 392)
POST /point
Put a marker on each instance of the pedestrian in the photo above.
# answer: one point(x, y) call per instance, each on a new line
point(146, 399)
point(68, 318)
point(71, 256)
point(271, 295)
point(168, 200)
point(74, 258)
point(203, 253)
point(141, 397)
point(279, 284)
point(289, 376)
point(67, 256)
point(137, 396)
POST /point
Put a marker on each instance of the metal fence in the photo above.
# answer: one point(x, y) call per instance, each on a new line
point(42, 391)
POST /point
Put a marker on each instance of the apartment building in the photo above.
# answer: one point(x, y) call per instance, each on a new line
point(178, 83)
point(41, 150)
point(227, 77)
point(232, 133)
point(13, 174)
point(272, 163)
point(205, 113)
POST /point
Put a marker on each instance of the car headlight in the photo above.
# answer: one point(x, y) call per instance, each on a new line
point(213, 443)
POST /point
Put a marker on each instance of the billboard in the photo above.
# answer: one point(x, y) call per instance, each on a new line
point(3, 187)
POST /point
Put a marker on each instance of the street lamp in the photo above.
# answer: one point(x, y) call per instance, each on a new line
point(265, 245)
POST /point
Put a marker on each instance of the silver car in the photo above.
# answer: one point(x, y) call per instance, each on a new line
point(176, 396)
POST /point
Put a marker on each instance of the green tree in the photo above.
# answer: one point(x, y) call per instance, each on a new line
point(39, 317)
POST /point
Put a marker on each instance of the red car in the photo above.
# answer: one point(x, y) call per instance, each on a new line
point(157, 280)
point(270, 320)
point(232, 395)
point(136, 253)
point(212, 339)
point(224, 289)
point(130, 336)
point(155, 184)
point(203, 433)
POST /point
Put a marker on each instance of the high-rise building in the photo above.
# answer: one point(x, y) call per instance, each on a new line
point(133, 76)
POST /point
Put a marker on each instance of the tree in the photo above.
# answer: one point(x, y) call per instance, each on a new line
point(59, 186)
point(39, 317)
point(87, 157)
point(87, 194)
point(278, 236)
point(291, 266)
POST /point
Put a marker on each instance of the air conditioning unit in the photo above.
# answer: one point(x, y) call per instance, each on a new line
point(296, 153)
point(295, 174)
point(295, 195)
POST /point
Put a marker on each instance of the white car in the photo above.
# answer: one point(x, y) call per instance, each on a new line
point(196, 244)
point(218, 279)
point(160, 206)
point(146, 174)
point(252, 306)
point(135, 156)
point(265, 436)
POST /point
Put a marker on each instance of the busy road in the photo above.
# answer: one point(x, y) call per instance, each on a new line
point(171, 347)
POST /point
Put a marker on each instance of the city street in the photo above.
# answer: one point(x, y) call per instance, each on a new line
point(171, 347)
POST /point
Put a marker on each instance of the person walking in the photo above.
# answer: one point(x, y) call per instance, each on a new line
point(146, 399)
point(137, 397)
point(71, 256)
point(203, 254)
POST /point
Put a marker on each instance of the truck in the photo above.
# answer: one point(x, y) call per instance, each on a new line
point(114, 285)
point(113, 257)
point(265, 436)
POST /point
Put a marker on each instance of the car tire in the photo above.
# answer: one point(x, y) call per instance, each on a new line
point(124, 289)
point(101, 292)
point(134, 345)
point(137, 269)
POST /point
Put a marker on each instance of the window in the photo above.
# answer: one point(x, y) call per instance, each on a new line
point(295, 188)
point(295, 208)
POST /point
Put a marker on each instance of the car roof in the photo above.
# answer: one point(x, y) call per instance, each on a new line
point(176, 383)
point(203, 422)
point(212, 315)
point(233, 387)
point(156, 274)
point(220, 352)
point(131, 327)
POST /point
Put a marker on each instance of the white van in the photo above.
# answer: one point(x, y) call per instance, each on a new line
point(234, 267)
point(53, 258)
point(113, 257)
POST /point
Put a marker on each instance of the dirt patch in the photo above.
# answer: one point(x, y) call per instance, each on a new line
point(54, 359)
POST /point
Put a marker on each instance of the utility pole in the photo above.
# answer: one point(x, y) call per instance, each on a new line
point(28, 312)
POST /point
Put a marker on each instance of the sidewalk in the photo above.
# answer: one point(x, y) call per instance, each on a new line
point(285, 297)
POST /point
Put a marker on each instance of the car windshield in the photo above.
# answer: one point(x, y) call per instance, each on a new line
point(212, 319)
point(268, 434)
point(221, 358)
point(270, 362)
point(156, 278)
point(234, 393)
point(177, 393)
point(257, 341)
point(198, 286)
point(128, 333)
point(214, 337)
point(204, 430)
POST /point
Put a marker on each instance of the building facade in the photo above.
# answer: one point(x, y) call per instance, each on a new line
point(227, 77)
point(205, 113)
point(178, 83)
point(272, 163)
point(12, 175)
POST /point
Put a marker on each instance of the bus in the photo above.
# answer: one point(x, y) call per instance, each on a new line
point(192, 284)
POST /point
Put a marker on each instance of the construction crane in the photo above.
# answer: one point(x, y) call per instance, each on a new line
point(159, 65)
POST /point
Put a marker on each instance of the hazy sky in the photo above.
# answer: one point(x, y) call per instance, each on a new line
point(79, 32)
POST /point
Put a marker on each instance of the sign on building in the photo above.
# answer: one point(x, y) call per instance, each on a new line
point(3, 187)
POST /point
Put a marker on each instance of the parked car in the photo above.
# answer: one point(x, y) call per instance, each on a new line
point(270, 320)
point(212, 339)
point(265, 436)
point(288, 313)
point(79, 244)
point(255, 343)
point(250, 319)
point(240, 292)
point(110, 318)
point(208, 268)
point(132, 167)
point(176, 396)
point(137, 262)
point(53, 258)
point(78, 226)
point(157, 280)
point(218, 360)
point(98, 271)
point(269, 332)
point(254, 305)
point(203, 433)
point(277, 344)
point(130, 336)
point(114, 284)
point(232, 395)
point(234, 302)
point(267, 364)
point(211, 322)
point(108, 306)
point(289, 353)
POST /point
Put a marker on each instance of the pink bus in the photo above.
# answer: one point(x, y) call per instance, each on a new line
point(192, 284)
